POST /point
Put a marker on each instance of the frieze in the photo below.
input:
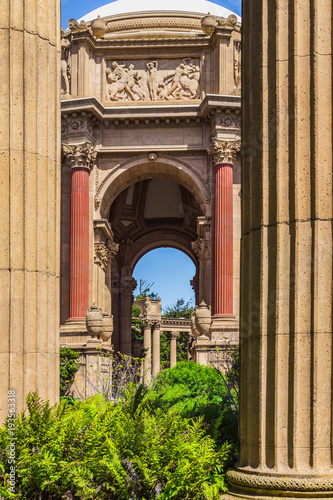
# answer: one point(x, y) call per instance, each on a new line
point(227, 121)
point(153, 80)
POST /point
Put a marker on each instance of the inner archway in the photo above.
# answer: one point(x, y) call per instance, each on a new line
point(148, 214)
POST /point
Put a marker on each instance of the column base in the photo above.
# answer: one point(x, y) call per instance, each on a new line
point(225, 328)
point(246, 486)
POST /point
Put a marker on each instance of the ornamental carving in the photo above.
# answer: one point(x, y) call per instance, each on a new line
point(104, 253)
point(77, 126)
point(152, 83)
point(228, 121)
point(194, 282)
point(201, 249)
point(224, 151)
point(128, 285)
point(79, 155)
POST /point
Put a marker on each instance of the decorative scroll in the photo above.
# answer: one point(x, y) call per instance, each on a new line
point(126, 83)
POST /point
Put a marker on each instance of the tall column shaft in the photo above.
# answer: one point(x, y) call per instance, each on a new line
point(286, 291)
point(79, 249)
point(29, 200)
point(223, 240)
point(173, 349)
point(147, 347)
point(156, 350)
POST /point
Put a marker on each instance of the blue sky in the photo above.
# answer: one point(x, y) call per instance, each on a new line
point(78, 8)
point(170, 269)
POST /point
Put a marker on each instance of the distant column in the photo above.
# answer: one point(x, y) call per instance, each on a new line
point(173, 348)
point(147, 347)
point(156, 348)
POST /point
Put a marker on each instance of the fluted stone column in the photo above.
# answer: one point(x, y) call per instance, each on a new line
point(223, 157)
point(286, 298)
point(29, 200)
point(173, 348)
point(156, 348)
point(80, 158)
point(147, 347)
point(128, 285)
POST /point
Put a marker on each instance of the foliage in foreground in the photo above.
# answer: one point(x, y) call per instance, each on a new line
point(202, 391)
point(97, 449)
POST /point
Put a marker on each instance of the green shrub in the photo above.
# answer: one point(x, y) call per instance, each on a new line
point(97, 449)
point(68, 368)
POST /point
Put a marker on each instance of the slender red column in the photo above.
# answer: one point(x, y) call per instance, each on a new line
point(223, 240)
point(79, 249)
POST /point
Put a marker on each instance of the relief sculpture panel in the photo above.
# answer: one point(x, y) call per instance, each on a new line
point(153, 80)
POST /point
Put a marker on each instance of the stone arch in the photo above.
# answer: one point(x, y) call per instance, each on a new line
point(161, 239)
point(140, 168)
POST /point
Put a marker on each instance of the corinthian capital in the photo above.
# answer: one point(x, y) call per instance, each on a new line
point(79, 155)
point(224, 151)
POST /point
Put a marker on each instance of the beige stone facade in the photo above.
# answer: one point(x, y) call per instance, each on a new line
point(159, 100)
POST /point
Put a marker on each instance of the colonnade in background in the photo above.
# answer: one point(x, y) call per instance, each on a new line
point(151, 364)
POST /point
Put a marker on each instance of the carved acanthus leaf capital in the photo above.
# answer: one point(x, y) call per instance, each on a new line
point(224, 151)
point(79, 155)
point(201, 249)
point(128, 285)
point(102, 255)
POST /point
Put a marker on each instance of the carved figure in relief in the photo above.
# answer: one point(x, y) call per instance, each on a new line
point(184, 81)
point(237, 64)
point(65, 66)
point(134, 82)
point(152, 79)
point(118, 80)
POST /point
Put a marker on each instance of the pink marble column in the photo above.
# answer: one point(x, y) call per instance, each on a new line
point(223, 240)
point(224, 154)
point(80, 158)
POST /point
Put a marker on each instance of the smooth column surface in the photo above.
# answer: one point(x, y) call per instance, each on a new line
point(173, 348)
point(147, 347)
point(223, 240)
point(79, 250)
point(29, 200)
point(156, 349)
point(286, 370)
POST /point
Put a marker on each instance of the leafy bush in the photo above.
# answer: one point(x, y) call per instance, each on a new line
point(68, 368)
point(97, 449)
point(202, 391)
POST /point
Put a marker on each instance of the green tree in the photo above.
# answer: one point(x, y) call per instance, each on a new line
point(145, 290)
point(180, 309)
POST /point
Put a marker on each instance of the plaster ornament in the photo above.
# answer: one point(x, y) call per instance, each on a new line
point(208, 24)
point(102, 255)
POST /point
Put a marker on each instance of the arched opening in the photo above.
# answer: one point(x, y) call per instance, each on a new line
point(146, 215)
